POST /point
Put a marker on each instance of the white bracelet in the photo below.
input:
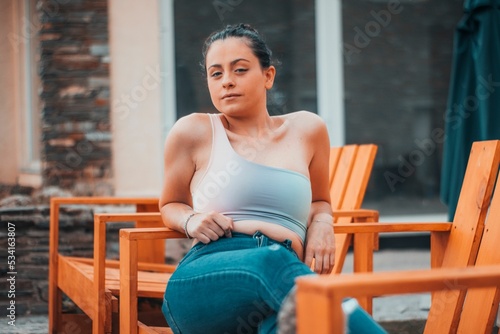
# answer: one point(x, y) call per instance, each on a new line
point(186, 224)
point(323, 221)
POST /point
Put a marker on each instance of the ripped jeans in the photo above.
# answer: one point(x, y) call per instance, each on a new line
point(231, 285)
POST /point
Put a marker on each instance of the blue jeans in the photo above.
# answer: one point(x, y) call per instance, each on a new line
point(237, 285)
point(232, 285)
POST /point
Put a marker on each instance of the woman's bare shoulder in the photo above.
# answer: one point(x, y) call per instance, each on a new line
point(305, 120)
point(191, 129)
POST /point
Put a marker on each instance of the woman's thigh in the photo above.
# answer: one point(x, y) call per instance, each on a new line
point(230, 291)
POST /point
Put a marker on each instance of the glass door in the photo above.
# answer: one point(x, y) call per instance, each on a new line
point(397, 61)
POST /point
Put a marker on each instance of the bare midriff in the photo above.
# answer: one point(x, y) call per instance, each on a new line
point(273, 231)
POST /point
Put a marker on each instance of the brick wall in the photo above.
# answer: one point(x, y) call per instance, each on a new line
point(74, 70)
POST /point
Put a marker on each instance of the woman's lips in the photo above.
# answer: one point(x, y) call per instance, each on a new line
point(230, 96)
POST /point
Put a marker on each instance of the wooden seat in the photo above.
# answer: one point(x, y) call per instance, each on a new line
point(350, 168)
point(466, 242)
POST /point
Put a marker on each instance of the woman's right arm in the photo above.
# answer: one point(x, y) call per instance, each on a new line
point(185, 147)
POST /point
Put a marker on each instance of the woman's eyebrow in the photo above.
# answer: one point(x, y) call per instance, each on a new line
point(232, 62)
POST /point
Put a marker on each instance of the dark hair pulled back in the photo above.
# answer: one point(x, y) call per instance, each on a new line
point(245, 31)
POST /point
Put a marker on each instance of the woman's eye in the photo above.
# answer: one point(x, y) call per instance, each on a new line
point(215, 74)
point(241, 70)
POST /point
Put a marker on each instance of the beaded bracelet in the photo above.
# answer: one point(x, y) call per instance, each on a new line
point(186, 224)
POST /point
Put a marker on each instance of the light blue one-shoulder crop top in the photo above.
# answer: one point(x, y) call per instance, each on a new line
point(245, 190)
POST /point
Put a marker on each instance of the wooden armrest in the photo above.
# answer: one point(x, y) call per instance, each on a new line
point(100, 221)
point(103, 200)
point(127, 217)
point(319, 298)
point(356, 213)
point(150, 233)
point(391, 227)
point(401, 282)
point(129, 267)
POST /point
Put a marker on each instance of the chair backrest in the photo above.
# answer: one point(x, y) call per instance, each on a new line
point(481, 305)
point(149, 251)
point(465, 236)
point(350, 169)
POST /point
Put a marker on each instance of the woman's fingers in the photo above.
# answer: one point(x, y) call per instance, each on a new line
point(225, 224)
point(210, 227)
point(324, 260)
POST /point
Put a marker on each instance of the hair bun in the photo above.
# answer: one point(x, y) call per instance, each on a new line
point(244, 26)
point(241, 30)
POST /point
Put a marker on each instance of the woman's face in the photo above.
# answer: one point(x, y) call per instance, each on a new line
point(236, 81)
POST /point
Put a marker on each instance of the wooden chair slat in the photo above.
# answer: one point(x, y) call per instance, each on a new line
point(468, 225)
point(481, 305)
point(342, 174)
point(335, 153)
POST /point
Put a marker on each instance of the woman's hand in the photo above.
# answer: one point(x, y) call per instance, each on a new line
point(320, 246)
point(207, 227)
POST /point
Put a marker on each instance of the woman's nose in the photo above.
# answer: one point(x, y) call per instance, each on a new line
point(227, 81)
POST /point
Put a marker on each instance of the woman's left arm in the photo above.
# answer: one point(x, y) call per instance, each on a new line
point(320, 240)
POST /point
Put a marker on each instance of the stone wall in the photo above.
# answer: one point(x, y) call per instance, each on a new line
point(30, 224)
point(25, 218)
point(74, 71)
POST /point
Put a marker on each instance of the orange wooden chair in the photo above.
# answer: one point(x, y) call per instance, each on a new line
point(350, 168)
point(74, 275)
point(349, 173)
point(454, 246)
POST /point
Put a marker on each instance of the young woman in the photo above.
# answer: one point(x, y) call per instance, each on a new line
point(251, 190)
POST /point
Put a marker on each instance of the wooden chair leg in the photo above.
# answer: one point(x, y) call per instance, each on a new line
point(364, 244)
point(128, 286)
point(55, 309)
